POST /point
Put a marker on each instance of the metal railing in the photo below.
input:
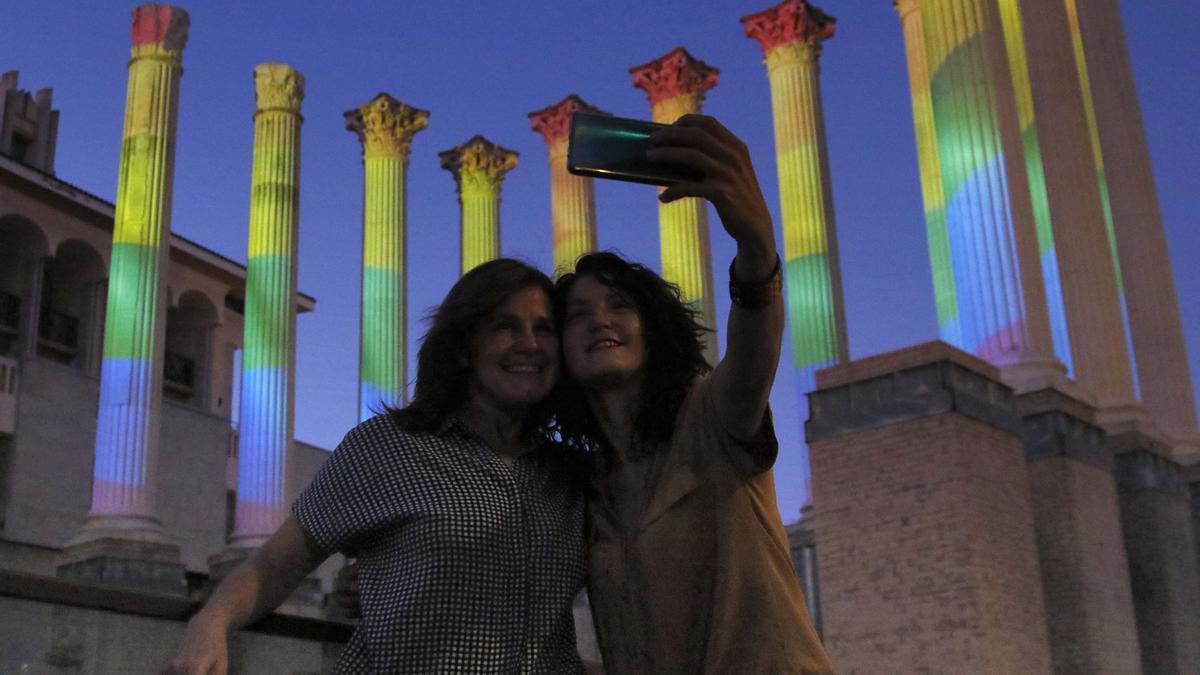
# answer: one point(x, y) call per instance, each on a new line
point(10, 310)
point(58, 328)
point(179, 370)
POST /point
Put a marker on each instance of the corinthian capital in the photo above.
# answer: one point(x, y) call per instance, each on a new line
point(904, 8)
point(674, 74)
point(478, 164)
point(554, 122)
point(279, 87)
point(161, 26)
point(788, 22)
point(385, 126)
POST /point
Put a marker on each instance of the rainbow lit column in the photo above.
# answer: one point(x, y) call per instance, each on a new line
point(790, 35)
point(675, 84)
point(572, 198)
point(479, 167)
point(269, 356)
point(944, 293)
point(1091, 292)
point(385, 127)
point(1156, 332)
point(127, 433)
point(999, 250)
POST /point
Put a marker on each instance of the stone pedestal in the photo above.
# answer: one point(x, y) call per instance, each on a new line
point(1085, 575)
point(924, 525)
point(1156, 514)
point(112, 561)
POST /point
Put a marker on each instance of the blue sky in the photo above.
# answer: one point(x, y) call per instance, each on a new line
point(480, 68)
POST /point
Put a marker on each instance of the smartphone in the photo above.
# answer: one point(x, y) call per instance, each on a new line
point(604, 146)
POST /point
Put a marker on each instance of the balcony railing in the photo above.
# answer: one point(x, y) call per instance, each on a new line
point(179, 371)
point(59, 329)
point(10, 312)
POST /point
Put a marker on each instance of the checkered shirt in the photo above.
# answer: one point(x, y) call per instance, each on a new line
point(465, 564)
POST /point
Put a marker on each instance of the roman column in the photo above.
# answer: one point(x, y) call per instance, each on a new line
point(385, 127)
point(944, 293)
point(675, 83)
point(572, 198)
point(1091, 292)
point(1156, 332)
point(127, 433)
point(269, 350)
point(998, 250)
point(479, 167)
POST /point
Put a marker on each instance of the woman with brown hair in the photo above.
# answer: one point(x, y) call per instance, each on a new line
point(465, 518)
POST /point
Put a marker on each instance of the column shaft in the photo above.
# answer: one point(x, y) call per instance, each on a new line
point(944, 291)
point(1091, 294)
point(999, 252)
point(127, 434)
point(382, 358)
point(268, 361)
point(572, 198)
point(1157, 334)
point(385, 127)
point(675, 84)
point(479, 167)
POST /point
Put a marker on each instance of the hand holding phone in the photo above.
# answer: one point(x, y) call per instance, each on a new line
point(604, 146)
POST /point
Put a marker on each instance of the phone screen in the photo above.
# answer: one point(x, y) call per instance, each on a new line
point(615, 147)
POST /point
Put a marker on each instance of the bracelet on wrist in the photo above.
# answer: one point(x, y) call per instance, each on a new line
point(755, 294)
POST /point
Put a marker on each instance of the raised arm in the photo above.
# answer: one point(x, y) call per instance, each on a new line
point(251, 591)
point(741, 383)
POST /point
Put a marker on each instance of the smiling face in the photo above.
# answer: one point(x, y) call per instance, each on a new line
point(603, 344)
point(514, 353)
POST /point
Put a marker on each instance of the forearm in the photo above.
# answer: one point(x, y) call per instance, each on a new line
point(747, 371)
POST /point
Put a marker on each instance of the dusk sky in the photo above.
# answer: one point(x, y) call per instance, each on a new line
point(479, 68)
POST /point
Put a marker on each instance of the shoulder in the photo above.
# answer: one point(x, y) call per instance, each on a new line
point(378, 435)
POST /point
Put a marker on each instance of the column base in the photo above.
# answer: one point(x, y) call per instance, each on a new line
point(1038, 373)
point(139, 564)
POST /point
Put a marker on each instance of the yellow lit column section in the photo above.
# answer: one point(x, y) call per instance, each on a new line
point(572, 198)
point(1091, 293)
point(675, 83)
point(945, 295)
point(385, 127)
point(128, 416)
point(479, 167)
point(790, 35)
point(1159, 349)
point(269, 356)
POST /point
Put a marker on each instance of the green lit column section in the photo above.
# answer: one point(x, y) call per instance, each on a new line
point(944, 292)
point(269, 352)
point(1163, 375)
point(1091, 292)
point(479, 167)
point(127, 432)
point(572, 198)
point(998, 247)
point(675, 83)
point(385, 127)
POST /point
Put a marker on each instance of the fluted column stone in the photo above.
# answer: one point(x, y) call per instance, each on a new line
point(479, 167)
point(127, 433)
point(385, 128)
point(1156, 332)
point(675, 84)
point(944, 292)
point(269, 351)
point(572, 198)
point(998, 248)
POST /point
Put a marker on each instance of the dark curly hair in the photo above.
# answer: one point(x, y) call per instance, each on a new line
point(443, 362)
point(674, 339)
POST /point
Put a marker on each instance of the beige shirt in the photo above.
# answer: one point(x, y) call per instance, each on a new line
point(689, 564)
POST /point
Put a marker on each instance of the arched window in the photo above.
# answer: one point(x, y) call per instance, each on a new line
point(23, 248)
point(187, 358)
point(71, 311)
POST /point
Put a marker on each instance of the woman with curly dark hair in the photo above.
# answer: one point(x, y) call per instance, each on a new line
point(689, 566)
point(465, 518)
